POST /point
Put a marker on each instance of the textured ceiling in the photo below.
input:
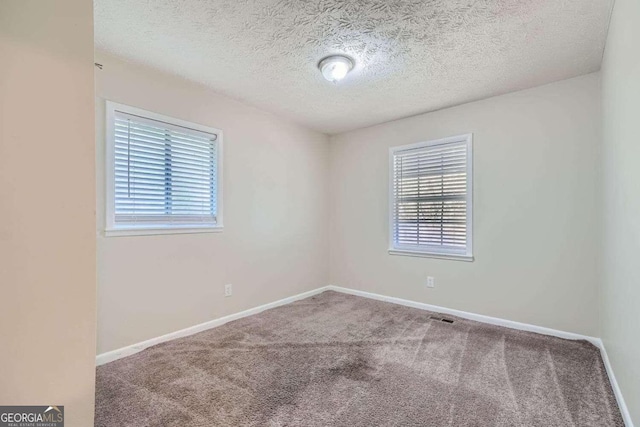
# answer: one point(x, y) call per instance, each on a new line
point(412, 56)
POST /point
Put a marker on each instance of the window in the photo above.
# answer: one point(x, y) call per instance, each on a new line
point(431, 198)
point(163, 174)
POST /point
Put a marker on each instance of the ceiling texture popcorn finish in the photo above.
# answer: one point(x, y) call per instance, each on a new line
point(411, 56)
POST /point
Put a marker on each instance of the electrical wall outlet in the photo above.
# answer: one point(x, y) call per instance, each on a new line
point(431, 282)
point(228, 290)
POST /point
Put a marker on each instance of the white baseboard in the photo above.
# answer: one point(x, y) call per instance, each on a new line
point(508, 324)
point(110, 356)
point(471, 316)
point(626, 416)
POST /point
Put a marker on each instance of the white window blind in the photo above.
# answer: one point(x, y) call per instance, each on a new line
point(431, 198)
point(164, 172)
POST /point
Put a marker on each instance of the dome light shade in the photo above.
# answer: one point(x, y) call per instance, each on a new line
point(334, 68)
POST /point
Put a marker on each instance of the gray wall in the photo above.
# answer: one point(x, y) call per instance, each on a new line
point(621, 204)
point(275, 238)
point(537, 214)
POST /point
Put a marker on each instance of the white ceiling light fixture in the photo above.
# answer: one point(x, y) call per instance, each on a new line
point(335, 67)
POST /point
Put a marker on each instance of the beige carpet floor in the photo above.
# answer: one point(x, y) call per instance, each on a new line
point(340, 360)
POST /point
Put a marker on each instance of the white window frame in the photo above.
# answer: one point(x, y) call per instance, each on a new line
point(433, 251)
point(111, 228)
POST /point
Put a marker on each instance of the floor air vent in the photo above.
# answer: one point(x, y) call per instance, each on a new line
point(440, 319)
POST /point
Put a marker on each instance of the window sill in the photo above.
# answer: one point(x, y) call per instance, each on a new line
point(154, 231)
point(406, 252)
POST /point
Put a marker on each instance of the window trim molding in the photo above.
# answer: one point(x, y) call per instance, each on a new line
point(110, 228)
point(426, 251)
point(155, 231)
